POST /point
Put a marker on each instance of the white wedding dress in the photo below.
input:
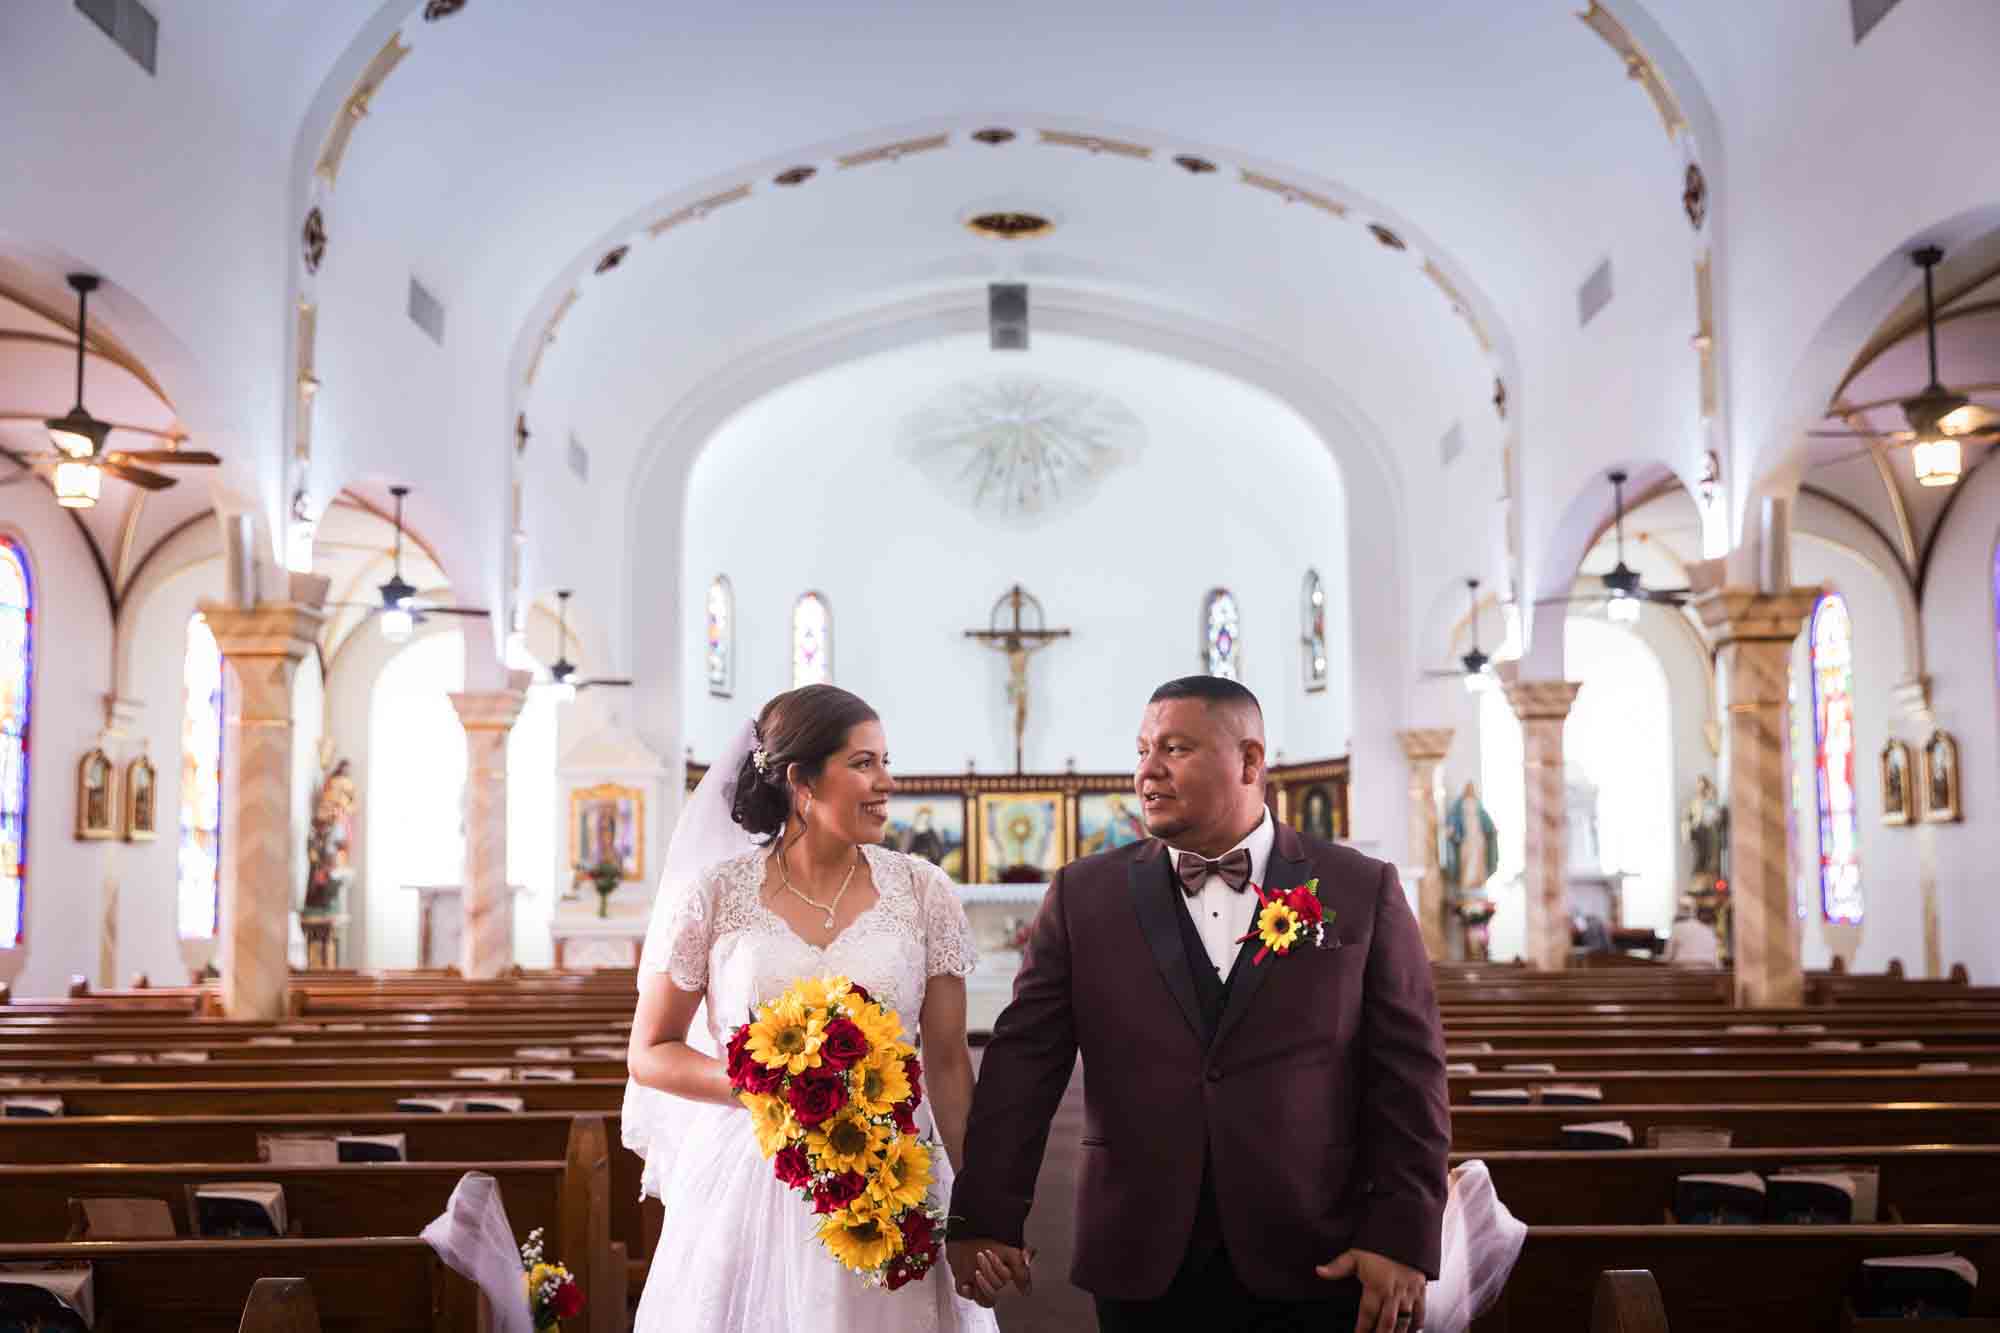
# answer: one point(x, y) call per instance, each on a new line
point(737, 1253)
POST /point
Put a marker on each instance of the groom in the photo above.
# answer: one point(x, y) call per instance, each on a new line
point(1264, 1139)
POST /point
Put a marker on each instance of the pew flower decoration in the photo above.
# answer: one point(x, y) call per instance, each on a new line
point(832, 1089)
point(552, 1291)
point(1286, 916)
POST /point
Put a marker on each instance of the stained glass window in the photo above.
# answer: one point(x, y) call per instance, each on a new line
point(812, 641)
point(201, 783)
point(1221, 646)
point(719, 648)
point(1832, 647)
point(17, 674)
point(1312, 631)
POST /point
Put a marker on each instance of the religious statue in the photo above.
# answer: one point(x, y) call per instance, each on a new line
point(1471, 851)
point(1019, 640)
point(1705, 826)
point(330, 842)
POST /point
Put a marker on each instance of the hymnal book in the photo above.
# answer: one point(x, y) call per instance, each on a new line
point(28, 1108)
point(1834, 1045)
point(1899, 1046)
point(546, 1074)
point(1533, 1067)
point(1723, 1198)
point(1503, 1096)
point(1752, 1029)
point(1470, 1048)
point(544, 1053)
point(486, 1101)
point(59, 1300)
point(602, 1052)
point(183, 1057)
point(1597, 1134)
point(1865, 1179)
point(1684, 1137)
point(484, 1073)
point(270, 1041)
point(346, 1027)
point(435, 1103)
point(240, 1208)
point(1805, 1027)
point(297, 1027)
point(1944, 1066)
point(1461, 1067)
point(1571, 1094)
point(1917, 1286)
point(373, 1147)
point(120, 1058)
point(297, 1149)
point(1819, 1198)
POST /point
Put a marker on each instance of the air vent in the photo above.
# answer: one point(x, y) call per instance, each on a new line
point(1595, 294)
point(426, 311)
point(579, 459)
point(1452, 445)
point(131, 25)
point(1007, 316)
point(1868, 13)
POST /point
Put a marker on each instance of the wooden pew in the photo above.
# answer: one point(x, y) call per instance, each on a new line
point(1697, 1087)
point(1627, 1300)
point(1482, 1129)
point(357, 1096)
point(280, 1305)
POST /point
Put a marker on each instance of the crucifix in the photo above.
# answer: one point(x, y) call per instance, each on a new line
point(1021, 636)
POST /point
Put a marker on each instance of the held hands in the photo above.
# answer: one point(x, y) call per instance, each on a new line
point(983, 1268)
point(1392, 1296)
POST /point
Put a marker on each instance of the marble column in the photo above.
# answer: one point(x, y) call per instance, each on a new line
point(1752, 633)
point(262, 646)
point(1542, 706)
point(486, 934)
point(1425, 748)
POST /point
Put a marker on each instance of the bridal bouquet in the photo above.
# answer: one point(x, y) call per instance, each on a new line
point(832, 1090)
point(552, 1291)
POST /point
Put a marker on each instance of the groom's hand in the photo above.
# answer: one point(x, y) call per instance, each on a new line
point(983, 1268)
point(1392, 1296)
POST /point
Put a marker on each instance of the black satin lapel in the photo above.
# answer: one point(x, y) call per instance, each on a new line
point(1246, 977)
point(1152, 890)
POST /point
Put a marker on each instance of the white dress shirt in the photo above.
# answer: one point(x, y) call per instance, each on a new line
point(1221, 915)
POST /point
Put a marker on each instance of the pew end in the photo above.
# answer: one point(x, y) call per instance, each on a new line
point(280, 1305)
point(1627, 1300)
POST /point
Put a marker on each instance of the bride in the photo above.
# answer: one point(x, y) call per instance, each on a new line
point(776, 872)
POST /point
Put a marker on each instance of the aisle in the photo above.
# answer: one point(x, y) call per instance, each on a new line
point(1055, 1306)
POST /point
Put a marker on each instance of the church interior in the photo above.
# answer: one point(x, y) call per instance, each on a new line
point(431, 429)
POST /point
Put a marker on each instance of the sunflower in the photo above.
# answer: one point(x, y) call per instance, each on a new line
point(770, 1119)
point(1278, 926)
point(819, 993)
point(879, 1025)
point(786, 1037)
point(861, 1236)
point(903, 1177)
point(846, 1142)
point(881, 1081)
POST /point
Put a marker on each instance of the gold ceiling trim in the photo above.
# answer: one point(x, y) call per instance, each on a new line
point(892, 152)
point(697, 210)
point(1887, 339)
point(549, 334)
point(1854, 419)
point(98, 344)
point(1459, 304)
point(1704, 336)
point(341, 132)
point(1096, 143)
point(306, 384)
point(128, 537)
point(1292, 193)
point(1638, 65)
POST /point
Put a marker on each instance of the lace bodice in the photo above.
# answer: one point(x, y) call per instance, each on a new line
point(725, 940)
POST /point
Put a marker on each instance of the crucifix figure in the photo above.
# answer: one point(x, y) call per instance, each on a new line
point(1019, 637)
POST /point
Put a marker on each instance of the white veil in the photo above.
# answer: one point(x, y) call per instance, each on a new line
point(653, 1122)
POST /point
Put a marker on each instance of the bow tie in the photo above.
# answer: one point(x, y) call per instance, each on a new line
point(1193, 870)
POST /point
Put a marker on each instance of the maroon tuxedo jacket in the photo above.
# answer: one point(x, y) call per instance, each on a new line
point(1322, 1098)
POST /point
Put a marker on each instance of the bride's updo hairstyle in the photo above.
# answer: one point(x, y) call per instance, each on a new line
point(807, 727)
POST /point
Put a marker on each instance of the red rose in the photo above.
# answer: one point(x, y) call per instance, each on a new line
point(816, 1094)
point(860, 992)
point(1305, 905)
point(568, 1301)
point(746, 1074)
point(899, 1275)
point(837, 1192)
point(844, 1045)
point(919, 1232)
point(914, 1068)
point(791, 1166)
point(906, 1116)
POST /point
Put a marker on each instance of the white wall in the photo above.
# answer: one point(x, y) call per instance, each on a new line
point(804, 490)
point(415, 777)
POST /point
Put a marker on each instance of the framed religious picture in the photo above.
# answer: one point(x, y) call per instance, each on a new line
point(931, 827)
point(608, 823)
point(1106, 820)
point(96, 810)
point(1899, 787)
point(1940, 779)
point(1020, 836)
point(1319, 809)
point(141, 801)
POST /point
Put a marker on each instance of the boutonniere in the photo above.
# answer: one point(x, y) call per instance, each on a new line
point(1284, 917)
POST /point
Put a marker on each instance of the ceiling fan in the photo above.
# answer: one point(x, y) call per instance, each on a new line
point(1474, 667)
point(399, 608)
point(562, 672)
point(79, 460)
point(1940, 419)
point(1624, 593)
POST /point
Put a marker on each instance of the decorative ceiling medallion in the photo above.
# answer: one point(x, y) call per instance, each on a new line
point(1500, 397)
point(993, 135)
point(1010, 226)
point(312, 239)
point(441, 9)
point(1387, 237)
point(795, 176)
point(1194, 166)
point(895, 152)
point(1096, 143)
point(521, 433)
point(1694, 196)
point(1293, 194)
point(696, 211)
point(1018, 449)
point(612, 259)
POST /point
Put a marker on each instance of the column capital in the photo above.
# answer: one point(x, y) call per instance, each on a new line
point(493, 710)
point(1735, 615)
point(1913, 696)
point(1425, 745)
point(285, 630)
point(1541, 700)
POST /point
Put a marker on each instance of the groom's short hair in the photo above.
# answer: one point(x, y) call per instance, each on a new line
point(1215, 691)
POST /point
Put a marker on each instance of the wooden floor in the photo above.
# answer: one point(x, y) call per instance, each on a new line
point(1054, 1306)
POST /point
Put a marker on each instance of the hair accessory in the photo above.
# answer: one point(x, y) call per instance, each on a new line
point(760, 761)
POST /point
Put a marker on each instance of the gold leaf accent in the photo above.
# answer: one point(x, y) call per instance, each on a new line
point(1704, 338)
point(890, 152)
point(1095, 143)
point(355, 107)
point(697, 210)
point(1459, 304)
point(549, 334)
point(1638, 65)
point(1293, 193)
